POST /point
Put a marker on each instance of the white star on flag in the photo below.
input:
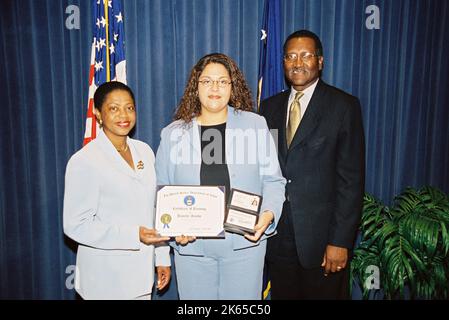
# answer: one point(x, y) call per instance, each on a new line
point(98, 65)
point(111, 48)
point(102, 43)
point(103, 21)
point(119, 17)
point(115, 37)
point(98, 23)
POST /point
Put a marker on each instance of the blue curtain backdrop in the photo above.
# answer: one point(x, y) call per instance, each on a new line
point(399, 72)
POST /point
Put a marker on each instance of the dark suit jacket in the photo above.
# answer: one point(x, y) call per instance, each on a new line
point(324, 168)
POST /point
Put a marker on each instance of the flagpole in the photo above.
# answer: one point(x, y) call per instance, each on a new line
point(270, 72)
point(108, 71)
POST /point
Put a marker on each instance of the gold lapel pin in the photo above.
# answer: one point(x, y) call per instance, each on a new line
point(140, 165)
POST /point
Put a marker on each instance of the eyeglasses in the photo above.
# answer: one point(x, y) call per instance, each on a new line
point(305, 57)
point(222, 83)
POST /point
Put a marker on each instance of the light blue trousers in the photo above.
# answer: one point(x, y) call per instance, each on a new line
point(222, 273)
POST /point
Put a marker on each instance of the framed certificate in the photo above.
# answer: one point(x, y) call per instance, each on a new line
point(242, 212)
point(190, 211)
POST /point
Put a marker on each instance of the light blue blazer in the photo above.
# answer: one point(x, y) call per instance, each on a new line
point(105, 202)
point(253, 165)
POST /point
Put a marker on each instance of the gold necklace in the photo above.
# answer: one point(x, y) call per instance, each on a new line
point(123, 149)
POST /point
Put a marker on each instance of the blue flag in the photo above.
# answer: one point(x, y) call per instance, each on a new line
point(271, 80)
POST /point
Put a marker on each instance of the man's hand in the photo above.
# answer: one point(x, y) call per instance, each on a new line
point(183, 240)
point(163, 277)
point(264, 222)
point(150, 236)
point(335, 259)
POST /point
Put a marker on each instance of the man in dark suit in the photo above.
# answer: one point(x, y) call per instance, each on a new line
point(322, 155)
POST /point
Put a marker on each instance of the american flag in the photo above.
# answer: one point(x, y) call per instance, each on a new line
point(107, 60)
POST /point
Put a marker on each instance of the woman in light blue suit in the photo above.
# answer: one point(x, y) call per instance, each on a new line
point(216, 139)
point(109, 203)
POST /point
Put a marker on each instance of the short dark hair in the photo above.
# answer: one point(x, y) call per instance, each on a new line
point(306, 34)
point(106, 88)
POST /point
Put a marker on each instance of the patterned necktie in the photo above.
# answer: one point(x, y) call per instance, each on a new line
point(295, 117)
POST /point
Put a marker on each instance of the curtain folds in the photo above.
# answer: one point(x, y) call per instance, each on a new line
point(399, 72)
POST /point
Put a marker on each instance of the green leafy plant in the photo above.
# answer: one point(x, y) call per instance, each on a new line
point(408, 243)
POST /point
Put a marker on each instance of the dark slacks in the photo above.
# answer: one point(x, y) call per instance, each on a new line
point(289, 279)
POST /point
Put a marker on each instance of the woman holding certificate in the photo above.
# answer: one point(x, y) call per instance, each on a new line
point(216, 140)
point(109, 206)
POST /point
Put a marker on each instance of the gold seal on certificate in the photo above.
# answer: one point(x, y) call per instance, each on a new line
point(190, 211)
point(166, 219)
point(243, 212)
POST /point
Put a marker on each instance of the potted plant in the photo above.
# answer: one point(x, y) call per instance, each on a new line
point(407, 244)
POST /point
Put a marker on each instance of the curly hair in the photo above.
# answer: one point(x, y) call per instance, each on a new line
point(190, 105)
